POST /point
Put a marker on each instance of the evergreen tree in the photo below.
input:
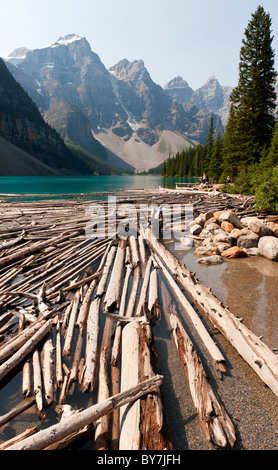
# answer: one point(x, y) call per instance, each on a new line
point(209, 145)
point(252, 119)
point(272, 156)
point(215, 167)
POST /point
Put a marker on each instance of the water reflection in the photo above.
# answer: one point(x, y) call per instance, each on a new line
point(248, 286)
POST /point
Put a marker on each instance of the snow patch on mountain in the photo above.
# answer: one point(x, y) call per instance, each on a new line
point(69, 39)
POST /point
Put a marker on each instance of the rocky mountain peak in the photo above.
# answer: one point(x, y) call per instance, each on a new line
point(130, 71)
point(19, 53)
point(69, 39)
point(179, 90)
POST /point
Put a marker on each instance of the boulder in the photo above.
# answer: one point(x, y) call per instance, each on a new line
point(246, 220)
point(248, 241)
point(200, 220)
point(227, 226)
point(268, 248)
point(223, 247)
point(210, 260)
point(212, 220)
point(231, 217)
point(236, 233)
point(251, 251)
point(210, 230)
point(274, 227)
point(233, 252)
point(217, 214)
point(208, 250)
point(259, 228)
point(196, 229)
point(223, 238)
point(207, 241)
point(208, 216)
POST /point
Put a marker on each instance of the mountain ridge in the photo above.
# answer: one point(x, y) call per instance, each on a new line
point(128, 113)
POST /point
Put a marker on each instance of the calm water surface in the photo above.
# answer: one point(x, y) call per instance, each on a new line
point(56, 185)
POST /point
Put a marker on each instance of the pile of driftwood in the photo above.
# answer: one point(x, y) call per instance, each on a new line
point(79, 312)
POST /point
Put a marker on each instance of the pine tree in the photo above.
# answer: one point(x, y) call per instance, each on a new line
point(252, 119)
point(215, 167)
point(209, 145)
point(272, 156)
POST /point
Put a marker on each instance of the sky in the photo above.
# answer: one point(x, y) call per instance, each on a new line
point(194, 39)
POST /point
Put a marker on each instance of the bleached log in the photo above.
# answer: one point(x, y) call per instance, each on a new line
point(214, 419)
point(17, 357)
point(84, 309)
point(115, 389)
point(153, 299)
point(106, 270)
point(134, 251)
point(38, 382)
point(258, 355)
point(71, 325)
point(18, 438)
point(76, 359)
point(26, 379)
point(112, 297)
point(25, 405)
point(59, 361)
point(144, 289)
point(117, 339)
point(69, 425)
point(92, 346)
point(48, 369)
point(134, 292)
point(64, 389)
point(142, 253)
point(130, 414)
point(22, 254)
point(82, 282)
point(103, 426)
point(217, 357)
point(142, 425)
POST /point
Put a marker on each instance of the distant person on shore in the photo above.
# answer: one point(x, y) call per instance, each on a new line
point(207, 178)
point(229, 179)
point(204, 178)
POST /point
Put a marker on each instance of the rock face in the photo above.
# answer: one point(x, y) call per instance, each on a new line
point(211, 96)
point(22, 125)
point(268, 248)
point(127, 112)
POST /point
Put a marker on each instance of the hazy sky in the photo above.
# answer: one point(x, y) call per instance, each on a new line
point(191, 38)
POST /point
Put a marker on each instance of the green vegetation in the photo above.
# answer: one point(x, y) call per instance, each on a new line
point(94, 164)
point(248, 151)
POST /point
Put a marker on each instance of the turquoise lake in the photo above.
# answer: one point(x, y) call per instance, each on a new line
point(55, 185)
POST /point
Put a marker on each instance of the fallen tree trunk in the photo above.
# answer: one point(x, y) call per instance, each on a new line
point(262, 360)
point(213, 417)
point(4, 419)
point(15, 360)
point(6, 260)
point(68, 426)
point(217, 357)
point(142, 426)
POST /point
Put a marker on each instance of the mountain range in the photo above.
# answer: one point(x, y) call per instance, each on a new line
point(120, 114)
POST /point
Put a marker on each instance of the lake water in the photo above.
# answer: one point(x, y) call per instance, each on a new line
point(55, 185)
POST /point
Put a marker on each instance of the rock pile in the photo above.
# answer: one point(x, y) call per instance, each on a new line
point(223, 235)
